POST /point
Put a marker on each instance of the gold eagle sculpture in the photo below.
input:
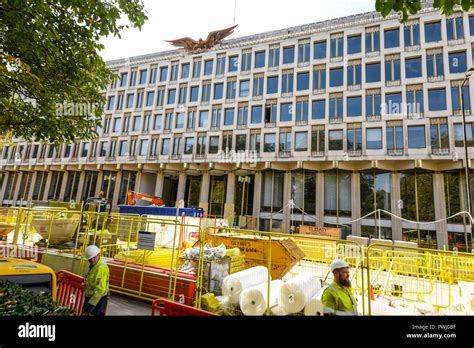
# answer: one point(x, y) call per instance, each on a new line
point(214, 38)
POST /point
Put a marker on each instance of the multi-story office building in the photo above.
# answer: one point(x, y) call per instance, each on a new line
point(343, 117)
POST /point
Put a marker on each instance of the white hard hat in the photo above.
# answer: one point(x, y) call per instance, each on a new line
point(91, 251)
point(336, 264)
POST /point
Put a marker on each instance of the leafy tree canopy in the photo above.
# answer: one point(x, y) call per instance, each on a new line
point(51, 74)
point(405, 8)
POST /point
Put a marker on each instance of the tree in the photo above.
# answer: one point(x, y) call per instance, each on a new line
point(405, 8)
point(51, 75)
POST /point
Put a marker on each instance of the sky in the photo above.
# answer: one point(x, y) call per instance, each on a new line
point(173, 19)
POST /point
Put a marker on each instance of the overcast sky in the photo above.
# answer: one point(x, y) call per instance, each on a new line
point(173, 19)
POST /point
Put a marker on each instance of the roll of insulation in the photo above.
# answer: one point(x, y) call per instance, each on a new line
point(253, 301)
point(315, 306)
point(235, 283)
point(295, 293)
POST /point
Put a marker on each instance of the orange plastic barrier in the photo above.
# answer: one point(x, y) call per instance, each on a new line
point(70, 291)
point(162, 307)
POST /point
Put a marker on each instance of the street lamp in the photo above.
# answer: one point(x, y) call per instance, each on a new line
point(468, 74)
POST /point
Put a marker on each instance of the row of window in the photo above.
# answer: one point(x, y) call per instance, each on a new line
point(411, 34)
point(285, 84)
point(192, 145)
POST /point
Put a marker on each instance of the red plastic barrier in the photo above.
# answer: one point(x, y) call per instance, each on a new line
point(162, 307)
point(70, 291)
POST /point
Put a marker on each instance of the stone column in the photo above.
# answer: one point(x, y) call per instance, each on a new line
point(319, 199)
point(100, 181)
point(181, 187)
point(396, 206)
point(257, 197)
point(62, 192)
point(80, 187)
point(204, 194)
point(118, 183)
point(33, 183)
point(440, 211)
point(17, 187)
point(47, 186)
point(229, 207)
point(4, 186)
point(355, 203)
point(160, 179)
point(285, 227)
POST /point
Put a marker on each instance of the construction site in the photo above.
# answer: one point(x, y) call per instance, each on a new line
point(179, 261)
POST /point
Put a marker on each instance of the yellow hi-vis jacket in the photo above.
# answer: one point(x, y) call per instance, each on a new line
point(97, 282)
point(338, 301)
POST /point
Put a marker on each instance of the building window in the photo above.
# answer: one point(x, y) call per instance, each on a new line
point(227, 145)
point(457, 62)
point(412, 67)
point(270, 112)
point(318, 140)
point(214, 144)
point(272, 190)
point(168, 120)
point(259, 59)
point(123, 79)
point(336, 77)
point(337, 45)
point(456, 97)
point(337, 193)
point(459, 135)
point(179, 120)
point(336, 107)
point(416, 191)
point(206, 92)
point(242, 115)
point(335, 140)
point(130, 100)
point(301, 141)
point(163, 73)
point(269, 142)
point(415, 101)
point(256, 114)
point(218, 91)
point(137, 120)
point(258, 85)
point(160, 97)
point(304, 51)
point(110, 102)
point(288, 55)
point(354, 106)
point(174, 71)
point(133, 78)
point(165, 145)
point(375, 192)
point(391, 38)
point(203, 118)
point(303, 81)
point(411, 33)
point(139, 103)
point(372, 40)
point(216, 118)
point(143, 147)
point(319, 49)
point(302, 110)
point(191, 121)
point(185, 70)
point(374, 138)
point(183, 91)
point(197, 69)
point(354, 75)
point(201, 145)
point(123, 148)
point(287, 81)
point(171, 96)
point(153, 73)
point(416, 137)
point(272, 84)
point(393, 104)
point(157, 122)
point(394, 137)
point(142, 80)
point(255, 142)
point(354, 44)
point(318, 109)
point(285, 142)
point(194, 95)
point(372, 72)
point(274, 56)
point(229, 117)
point(433, 31)
point(119, 102)
point(244, 88)
point(220, 65)
point(208, 66)
point(150, 96)
point(437, 99)
point(246, 60)
point(177, 146)
point(233, 63)
point(231, 88)
point(354, 137)
point(189, 146)
point(240, 143)
point(286, 112)
point(319, 77)
point(392, 68)
point(439, 134)
point(455, 28)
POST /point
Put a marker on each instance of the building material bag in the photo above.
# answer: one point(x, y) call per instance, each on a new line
point(295, 293)
point(235, 283)
point(315, 305)
point(253, 301)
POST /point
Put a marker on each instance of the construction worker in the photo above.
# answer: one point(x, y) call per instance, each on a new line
point(337, 298)
point(97, 283)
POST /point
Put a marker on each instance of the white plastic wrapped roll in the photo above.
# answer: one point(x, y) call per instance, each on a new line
point(295, 293)
point(253, 301)
point(235, 283)
point(315, 306)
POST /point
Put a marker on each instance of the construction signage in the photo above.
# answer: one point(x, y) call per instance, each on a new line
point(321, 231)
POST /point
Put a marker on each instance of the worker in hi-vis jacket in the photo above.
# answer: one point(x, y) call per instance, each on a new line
point(97, 283)
point(338, 298)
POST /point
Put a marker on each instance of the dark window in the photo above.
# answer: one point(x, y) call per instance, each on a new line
point(319, 109)
point(391, 38)
point(354, 106)
point(372, 72)
point(303, 81)
point(416, 137)
point(413, 67)
point(457, 62)
point(272, 84)
point(354, 44)
point(437, 99)
point(319, 49)
point(335, 140)
point(336, 77)
point(374, 138)
point(259, 59)
point(289, 55)
point(433, 32)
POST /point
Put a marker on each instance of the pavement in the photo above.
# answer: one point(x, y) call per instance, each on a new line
point(121, 305)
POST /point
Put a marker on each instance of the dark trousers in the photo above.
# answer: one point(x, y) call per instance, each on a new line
point(98, 310)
